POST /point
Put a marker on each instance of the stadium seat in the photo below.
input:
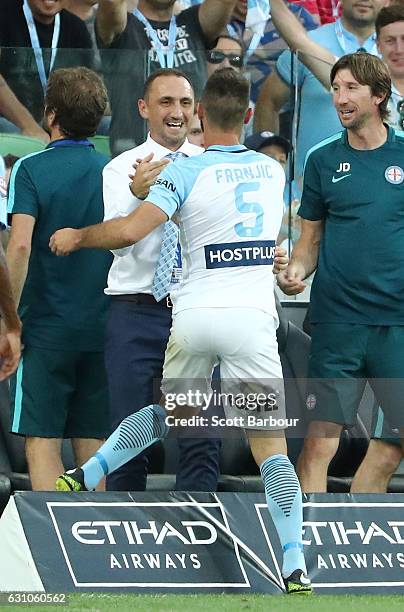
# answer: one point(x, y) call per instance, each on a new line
point(18, 145)
point(101, 144)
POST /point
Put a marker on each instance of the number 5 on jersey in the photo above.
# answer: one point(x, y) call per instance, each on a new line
point(251, 228)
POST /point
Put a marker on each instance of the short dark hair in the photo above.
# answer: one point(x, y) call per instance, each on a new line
point(226, 98)
point(368, 70)
point(78, 98)
point(387, 15)
point(164, 72)
point(236, 39)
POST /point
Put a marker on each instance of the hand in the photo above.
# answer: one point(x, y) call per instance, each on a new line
point(145, 175)
point(64, 241)
point(291, 279)
point(10, 353)
point(35, 131)
point(281, 260)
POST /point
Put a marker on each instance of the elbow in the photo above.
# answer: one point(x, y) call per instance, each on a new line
point(19, 250)
point(128, 237)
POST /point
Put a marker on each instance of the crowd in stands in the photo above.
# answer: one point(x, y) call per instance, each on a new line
point(125, 41)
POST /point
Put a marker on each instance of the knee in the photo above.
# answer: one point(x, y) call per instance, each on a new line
point(383, 457)
point(319, 450)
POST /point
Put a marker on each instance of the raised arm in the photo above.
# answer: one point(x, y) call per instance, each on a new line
point(274, 93)
point(214, 15)
point(317, 59)
point(111, 19)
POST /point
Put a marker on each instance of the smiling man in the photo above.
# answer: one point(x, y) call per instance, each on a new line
point(36, 36)
point(139, 323)
point(352, 207)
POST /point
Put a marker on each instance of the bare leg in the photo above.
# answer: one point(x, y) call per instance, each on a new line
point(320, 446)
point(374, 473)
point(44, 462)
point(264, 447)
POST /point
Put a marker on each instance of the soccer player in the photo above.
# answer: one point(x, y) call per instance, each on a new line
point(353, 234)
point(229, 205)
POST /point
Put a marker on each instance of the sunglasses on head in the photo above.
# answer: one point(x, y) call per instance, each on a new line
point(217, 57)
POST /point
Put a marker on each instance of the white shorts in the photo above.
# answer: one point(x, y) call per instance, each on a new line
point(243, 342)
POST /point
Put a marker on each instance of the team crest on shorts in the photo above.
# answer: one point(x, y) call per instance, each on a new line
point(311, 401)
point(394, 175)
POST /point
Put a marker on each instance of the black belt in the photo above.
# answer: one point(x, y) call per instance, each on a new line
point(143, 299)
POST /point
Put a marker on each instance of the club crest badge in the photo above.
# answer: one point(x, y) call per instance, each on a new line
point(394, 175)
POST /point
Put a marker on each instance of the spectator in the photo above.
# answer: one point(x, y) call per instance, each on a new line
point(353, 189)
point(389, 37)
point(61, 389)
point(37, 36)
point(260, 58)
point(195, 132)
point(139, 322)
point(270, 144)
point(169, 41)
point(317, 118)
point(228, 51)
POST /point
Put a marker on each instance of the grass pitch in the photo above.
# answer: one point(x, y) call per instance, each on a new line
point(225, 603)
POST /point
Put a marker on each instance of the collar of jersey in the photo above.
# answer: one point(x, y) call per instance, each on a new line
point(66, 142)
point(229, 149)
point(390, 138)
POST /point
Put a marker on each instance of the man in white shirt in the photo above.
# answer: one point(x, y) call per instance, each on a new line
point(138, 326)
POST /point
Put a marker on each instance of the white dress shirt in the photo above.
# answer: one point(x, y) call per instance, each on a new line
point(133, 268)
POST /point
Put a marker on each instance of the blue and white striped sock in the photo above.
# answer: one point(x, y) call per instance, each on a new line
point(284, 499)
point(138, 431)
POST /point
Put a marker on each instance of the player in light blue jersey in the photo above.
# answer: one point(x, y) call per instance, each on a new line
point(228, 203)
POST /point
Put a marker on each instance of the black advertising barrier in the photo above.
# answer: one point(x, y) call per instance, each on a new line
point(224, 542)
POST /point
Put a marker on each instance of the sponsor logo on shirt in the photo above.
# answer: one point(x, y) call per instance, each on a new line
point(234, 254)
point(166, 184)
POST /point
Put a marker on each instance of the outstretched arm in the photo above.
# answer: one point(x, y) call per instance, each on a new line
point(317, 59)
point(113, 234)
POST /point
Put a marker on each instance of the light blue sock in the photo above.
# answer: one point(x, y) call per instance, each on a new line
point(284, 499)
point(138, 431)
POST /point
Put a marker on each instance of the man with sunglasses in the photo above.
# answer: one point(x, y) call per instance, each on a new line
point(160, 40)
point(228, 52)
